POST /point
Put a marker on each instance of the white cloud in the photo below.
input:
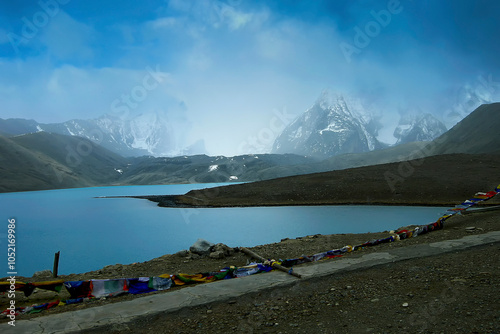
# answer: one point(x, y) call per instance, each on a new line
point(67, 92)
point(163, 22)
point(216, 14)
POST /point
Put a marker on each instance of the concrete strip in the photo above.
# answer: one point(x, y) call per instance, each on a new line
point(95, 317)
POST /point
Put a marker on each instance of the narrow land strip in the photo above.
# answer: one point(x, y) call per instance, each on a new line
point(443, 180)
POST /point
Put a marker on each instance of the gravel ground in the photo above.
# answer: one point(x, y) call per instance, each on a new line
point(453, 293)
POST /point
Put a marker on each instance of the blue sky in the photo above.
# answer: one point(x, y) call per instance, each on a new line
point(231, 70)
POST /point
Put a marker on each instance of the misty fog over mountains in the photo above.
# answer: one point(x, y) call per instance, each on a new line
point(335, 124)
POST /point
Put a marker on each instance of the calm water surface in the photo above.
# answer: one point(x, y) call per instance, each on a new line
point(95, 232)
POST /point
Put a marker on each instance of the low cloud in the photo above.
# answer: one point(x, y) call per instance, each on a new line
point(231, 63)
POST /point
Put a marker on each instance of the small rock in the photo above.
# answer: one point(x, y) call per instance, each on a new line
point(405, 304)
point(201, 247)
point(42, 274)
point(182, 253)
point(217, 255)
point(120, 327)
point(470, 229)
point(194, 256)
point(374, 300)
point(459, 280)
point(209, 311)
point(224, 249)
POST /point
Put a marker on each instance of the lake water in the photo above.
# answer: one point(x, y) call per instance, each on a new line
point(93, 232)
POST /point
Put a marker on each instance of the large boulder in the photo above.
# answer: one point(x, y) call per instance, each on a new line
point(201, 247)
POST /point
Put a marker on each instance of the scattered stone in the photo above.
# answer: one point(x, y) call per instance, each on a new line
point(459, 280)
point(119, 327)
point(224, 249)
point(42, 274)
point(194, 256)
point(470, 229)
point(374, 300)
point(405, 304)
point(201, 247)
point(182, 253)
point(217, 255)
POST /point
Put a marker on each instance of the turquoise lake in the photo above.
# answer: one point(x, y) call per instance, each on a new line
point(94, 232)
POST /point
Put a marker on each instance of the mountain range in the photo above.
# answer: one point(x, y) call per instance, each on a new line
point(337, 125)
point(144, 134)
point(43, 160)
point(333, 125)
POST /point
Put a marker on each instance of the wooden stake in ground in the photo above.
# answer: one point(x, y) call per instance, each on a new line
point(275, 265)
point(56, 264)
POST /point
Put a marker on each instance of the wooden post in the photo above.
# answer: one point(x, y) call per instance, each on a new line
point(56, 264)
point(275, 265)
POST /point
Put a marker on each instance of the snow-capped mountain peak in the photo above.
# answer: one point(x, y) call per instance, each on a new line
point(333, 125)
point(420, 127)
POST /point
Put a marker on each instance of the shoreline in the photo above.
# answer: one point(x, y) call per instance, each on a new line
point(175, 201)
